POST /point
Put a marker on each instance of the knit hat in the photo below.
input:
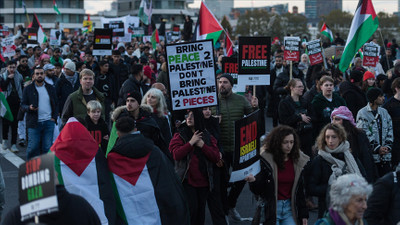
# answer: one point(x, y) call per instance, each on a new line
point(71, 66)
point(227, 76)
point(356, 76)
point(368, 75)
point(344, 113)
point(373, 94)
point(134, 94)
point(48, 66)
point(147, 71)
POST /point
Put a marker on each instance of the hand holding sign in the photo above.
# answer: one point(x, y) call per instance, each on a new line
point(250, 178)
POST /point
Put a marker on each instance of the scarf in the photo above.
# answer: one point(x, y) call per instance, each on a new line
point(338, 165)
point(341, 219)
point(71, 79)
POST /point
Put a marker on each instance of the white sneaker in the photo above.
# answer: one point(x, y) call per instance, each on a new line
point(5, 144)
point(14, 149)
point(234, 214)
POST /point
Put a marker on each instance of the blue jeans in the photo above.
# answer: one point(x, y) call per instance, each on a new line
point(43, 133)
point(284, 214)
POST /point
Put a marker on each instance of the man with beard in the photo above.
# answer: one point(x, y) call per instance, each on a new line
point(23, 67)
point(40, 104)
point(34, 60)
point(232, 107)
point(56, 58)
point(68, 83)
point(50, 73)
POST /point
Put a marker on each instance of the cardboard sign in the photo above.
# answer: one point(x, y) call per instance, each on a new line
point(371, 55)
point(102, 42)
point(314, 50)
point(87, 26)
point(173, 36)
point(4, 32)
point(8, 47)
point(117, 27)
point(55, 37)
point(37, 190)
point(191, 71)
point(246, 158)
point(254, 61)
point(292, 49)
point(230, 66)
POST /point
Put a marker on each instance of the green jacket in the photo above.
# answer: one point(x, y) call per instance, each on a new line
point(232, 108)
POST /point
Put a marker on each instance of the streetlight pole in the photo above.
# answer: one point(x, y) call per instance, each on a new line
point(14, 15)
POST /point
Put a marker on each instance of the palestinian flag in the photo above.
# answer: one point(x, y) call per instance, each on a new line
point(228, 45)
point(327, 32)
point(41, 36)
point(364, 24)
point(155, 38)
point(145, 11)
point(5, 110)
point(113, 138)
point(82, 169)
point(56, 8)
point(207, 26)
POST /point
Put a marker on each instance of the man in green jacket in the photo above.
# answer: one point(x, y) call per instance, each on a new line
point(232, 107)
point(75, 105)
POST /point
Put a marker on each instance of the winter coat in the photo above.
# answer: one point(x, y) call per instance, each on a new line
point(63, 89)
point(367, 121)
point(6, 86)
point(266, 185)
point(121, 73)
point(129, 86)
point(353, 95)
point(393, 107)
point(289, 112)
point(384, 202)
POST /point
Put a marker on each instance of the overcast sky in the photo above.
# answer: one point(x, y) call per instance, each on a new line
point(389, 6)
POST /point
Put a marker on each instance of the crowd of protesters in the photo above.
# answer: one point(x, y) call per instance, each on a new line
point(326, 124)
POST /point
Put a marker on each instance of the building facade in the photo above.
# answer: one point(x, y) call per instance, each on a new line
point(314, 9)
point(72, 13)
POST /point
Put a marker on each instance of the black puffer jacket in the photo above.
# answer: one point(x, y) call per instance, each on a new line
point(384, 202)
point(353, 95)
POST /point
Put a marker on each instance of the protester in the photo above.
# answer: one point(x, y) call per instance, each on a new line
point(134, 83)
point(50, 76)
point(348, 196)
point(68, 83)
point(105, 83)
point(333, 160)
point(352, 93)
point(280, 181)
point(368, 82)
point(377, 124)
point(34, 60)
point(119, 69)
point(96, 125)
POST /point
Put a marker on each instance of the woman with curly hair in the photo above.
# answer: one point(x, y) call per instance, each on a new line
point(333, 160)
point(280, 182)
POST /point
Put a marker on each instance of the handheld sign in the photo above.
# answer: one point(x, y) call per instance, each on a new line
point(4, 32)
point(117, 26)
point(102, 42)
point(230, 66)
point(371, 54)
point(315, 52)
point(191, 71)
point(247, 148)
point(32, 37)
point(292, 49)
point(8, 47)
point(173, 36)
point(254, 61)
point(37, 191)
point(55, 37)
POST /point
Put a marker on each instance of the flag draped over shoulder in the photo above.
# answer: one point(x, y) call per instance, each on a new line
point(55, 7)
point(364, 24)
point(326, 32)
point(82, 168)
point(5, 110)
point(207, 26)
point(145, 11)
point(41, 36)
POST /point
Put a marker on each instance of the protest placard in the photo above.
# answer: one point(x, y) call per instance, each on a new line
point(246, 158)
point(173, 36)
point(191, 71)
point(55, 37)
point(122, 26)
point(87, 26)
point(4, 32)
point(8, 47)
point(32, 37)
point(254, 61)
point(117, 26)
point(102, 42)
point(292, 49)
point(371, 54)
point(230, 66)
point(314, 50)
point(137, 32)
point(37, 190)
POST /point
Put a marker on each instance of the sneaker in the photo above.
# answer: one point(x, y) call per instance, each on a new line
point(5, 144)
point(14, 149)
point(234, 214)
point(21, 142)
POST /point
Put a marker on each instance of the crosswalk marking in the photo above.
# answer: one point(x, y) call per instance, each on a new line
point(12, 158)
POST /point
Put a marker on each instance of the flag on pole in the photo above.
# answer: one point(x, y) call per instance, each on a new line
point(55, 7)
point(228, 45)
point(327, 32)
point(23, 6)
point(207, 26)
point(41, 36)
point(364, 24)
point(145, 11)
point(82, 169)
point(155, 39)
point(5, 110)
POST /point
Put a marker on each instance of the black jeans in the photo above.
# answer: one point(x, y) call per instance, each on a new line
point(14, 124)
point(236, 187)
point(214, 200)
point(197, 197)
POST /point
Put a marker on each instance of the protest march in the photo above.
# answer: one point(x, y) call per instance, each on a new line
point(125, 121)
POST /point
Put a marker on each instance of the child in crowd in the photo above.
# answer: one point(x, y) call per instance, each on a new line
point(96, 125)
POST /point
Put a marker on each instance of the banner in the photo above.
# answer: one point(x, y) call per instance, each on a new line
point(254, 61)
point(314, 50)
point(122, 27)
point(371, 54)
point(117, 28)
point(55, 37)
point(87, 26)
point(37, 190)
point(191, 70)
point(173, 36)
point(8, 47)
point(292, 49)
point(102, 42)
point(246, 158)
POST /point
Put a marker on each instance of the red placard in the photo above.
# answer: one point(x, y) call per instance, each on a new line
point(292, 49)
point(370, 52)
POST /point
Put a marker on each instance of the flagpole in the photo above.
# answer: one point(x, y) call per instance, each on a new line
point(14, 14)
point(384, 47)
